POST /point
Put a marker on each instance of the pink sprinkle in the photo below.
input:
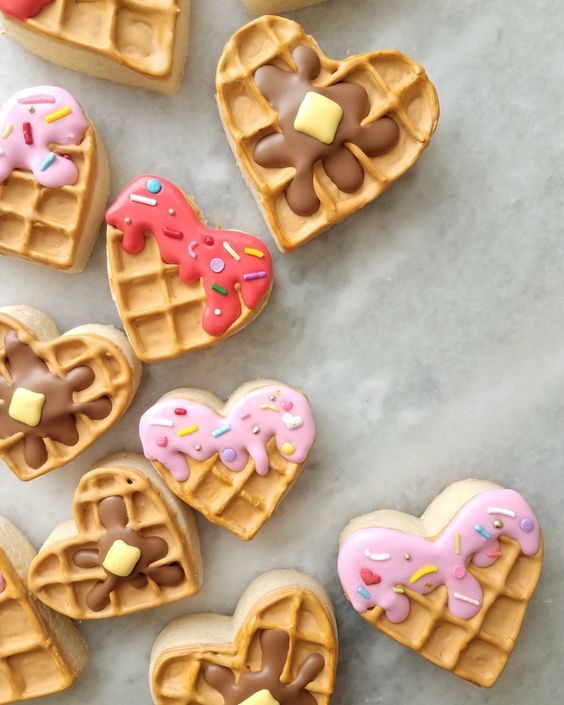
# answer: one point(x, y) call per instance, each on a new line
point(180, 412)
point(254, 275)
point(162, 442)
point(37, 100)
point(287, 405)
point(173, 234)
point(246, 416)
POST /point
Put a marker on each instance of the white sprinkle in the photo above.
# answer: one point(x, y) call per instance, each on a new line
point(143, 199)
point(464, 598)
point(377, 556)
point(161, 422)
point(231, 251)
point(500, 510)
point(217, 312)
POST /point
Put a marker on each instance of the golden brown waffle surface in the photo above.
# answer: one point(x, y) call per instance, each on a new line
point(283, 600)
point(396, 86)
point(45, 225)
point(57, 580)
point(476, 649)
point(113, 378)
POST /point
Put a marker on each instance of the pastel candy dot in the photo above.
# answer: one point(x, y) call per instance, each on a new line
point(527, 524)
point(459, 572)
point(208, 240)
point(287, 405)
point(154, 186)
point(162, 442)
point(217, 265)
point(288, 448)
point(229, 455)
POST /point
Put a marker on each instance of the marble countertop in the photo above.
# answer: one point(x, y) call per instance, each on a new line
point(431, 345)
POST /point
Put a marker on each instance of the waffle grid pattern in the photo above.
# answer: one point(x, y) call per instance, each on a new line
point(395, 85)
point(135, 33)
point(26, 648)
point(296, 611)
point(42, 224)
point(63, 586)
point(477, 649)
point(113, 378)
point(242, 502)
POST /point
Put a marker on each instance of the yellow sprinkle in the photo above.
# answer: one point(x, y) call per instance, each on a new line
point(253, 252)
point(188, 431)
point(269, 407)
point(58, 115)
point(7, 131)
point(426, 570)
point(399, 590)
point(457, 546)
point(288, 448)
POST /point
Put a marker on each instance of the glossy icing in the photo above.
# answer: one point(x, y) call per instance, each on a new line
point(374, 561)
point(174, 428)
point(233, 265)
point(22, 9)
point(31, 122)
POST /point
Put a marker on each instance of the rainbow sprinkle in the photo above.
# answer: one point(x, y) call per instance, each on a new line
point(220, 431)
point(136, 198)
point(7, 131)
point(187, 431)
point(480, 530)
point(364, 592)
point(48, 161)
point(37, 100)
point(269, 407)
point(457, 544)
point(254, 275)
point(28, 134)
point(253, 252)
point(58, 115)
point(219, 289)
point(231, 251)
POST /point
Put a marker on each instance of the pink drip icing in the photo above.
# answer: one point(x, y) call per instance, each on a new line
point(239, 442)
point(26, 138)
point(200, 252)
point(464, 591)
point(22, 9)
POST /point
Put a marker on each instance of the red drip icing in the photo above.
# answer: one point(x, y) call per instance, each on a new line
point(181, 238)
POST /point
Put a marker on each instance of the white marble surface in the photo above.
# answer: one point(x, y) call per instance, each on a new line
point(428, 329)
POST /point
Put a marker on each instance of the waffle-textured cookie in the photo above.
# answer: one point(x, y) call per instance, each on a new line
point(261, 7)
point(453, 585)
point(41, 652)
point(178, 284)
point(139, 43)
point(318, 139)
point(58, 393)
point(132, 546)
point(279, 646)
point(54, 179)
point(232, 462)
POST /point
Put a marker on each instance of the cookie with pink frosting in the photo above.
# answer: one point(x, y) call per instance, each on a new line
point(232, 462)
point(454, 584)
point(54, 179)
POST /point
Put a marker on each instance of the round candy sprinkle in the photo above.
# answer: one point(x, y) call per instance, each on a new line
point(217, 312)
point(287, 405)
point(198, 447)
point(217, 265)
point(288, 448)
point(407, 556)
point(171, 211)
point(128, 221)
point(162, 442)
point(154, 186)
point(527, 524)
point(459, 572)
point(229, 455)
point(208, 240)
point(180, 412)
point(498, 524)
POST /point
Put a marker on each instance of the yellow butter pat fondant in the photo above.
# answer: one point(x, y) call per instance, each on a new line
point(319, 117)
point(27, 406)
point(121, 559)
point(261, 697)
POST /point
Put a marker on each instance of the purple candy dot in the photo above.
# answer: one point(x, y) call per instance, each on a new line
point(459, 572)
point(217, 265)
point(229, 455)
point(527, 524)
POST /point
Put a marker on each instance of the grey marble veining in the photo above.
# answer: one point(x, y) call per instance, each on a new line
point(428, 329)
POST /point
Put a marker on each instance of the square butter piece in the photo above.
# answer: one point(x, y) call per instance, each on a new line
point(27, 406)
point(319, 117)
point(121, 559)
point(261, 697)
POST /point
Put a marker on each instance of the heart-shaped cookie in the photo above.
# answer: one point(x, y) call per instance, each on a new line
point(318, 139)
point(54, 179)
point(178, 284)
point(279, 646)
point(58, 393)
point(234, 463)
point(142, 44)
point(455, 584)
point(132, 546)
point(41, 652)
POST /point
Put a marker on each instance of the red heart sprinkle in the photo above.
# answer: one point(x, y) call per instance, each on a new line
point(369, 577)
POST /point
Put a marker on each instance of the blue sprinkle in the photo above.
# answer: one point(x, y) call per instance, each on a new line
point(364, 592)
point(220, 431)
point(482, 531)
point(154, 186)
point(46, 163)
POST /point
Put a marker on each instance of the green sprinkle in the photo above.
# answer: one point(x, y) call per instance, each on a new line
point(222, 291)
